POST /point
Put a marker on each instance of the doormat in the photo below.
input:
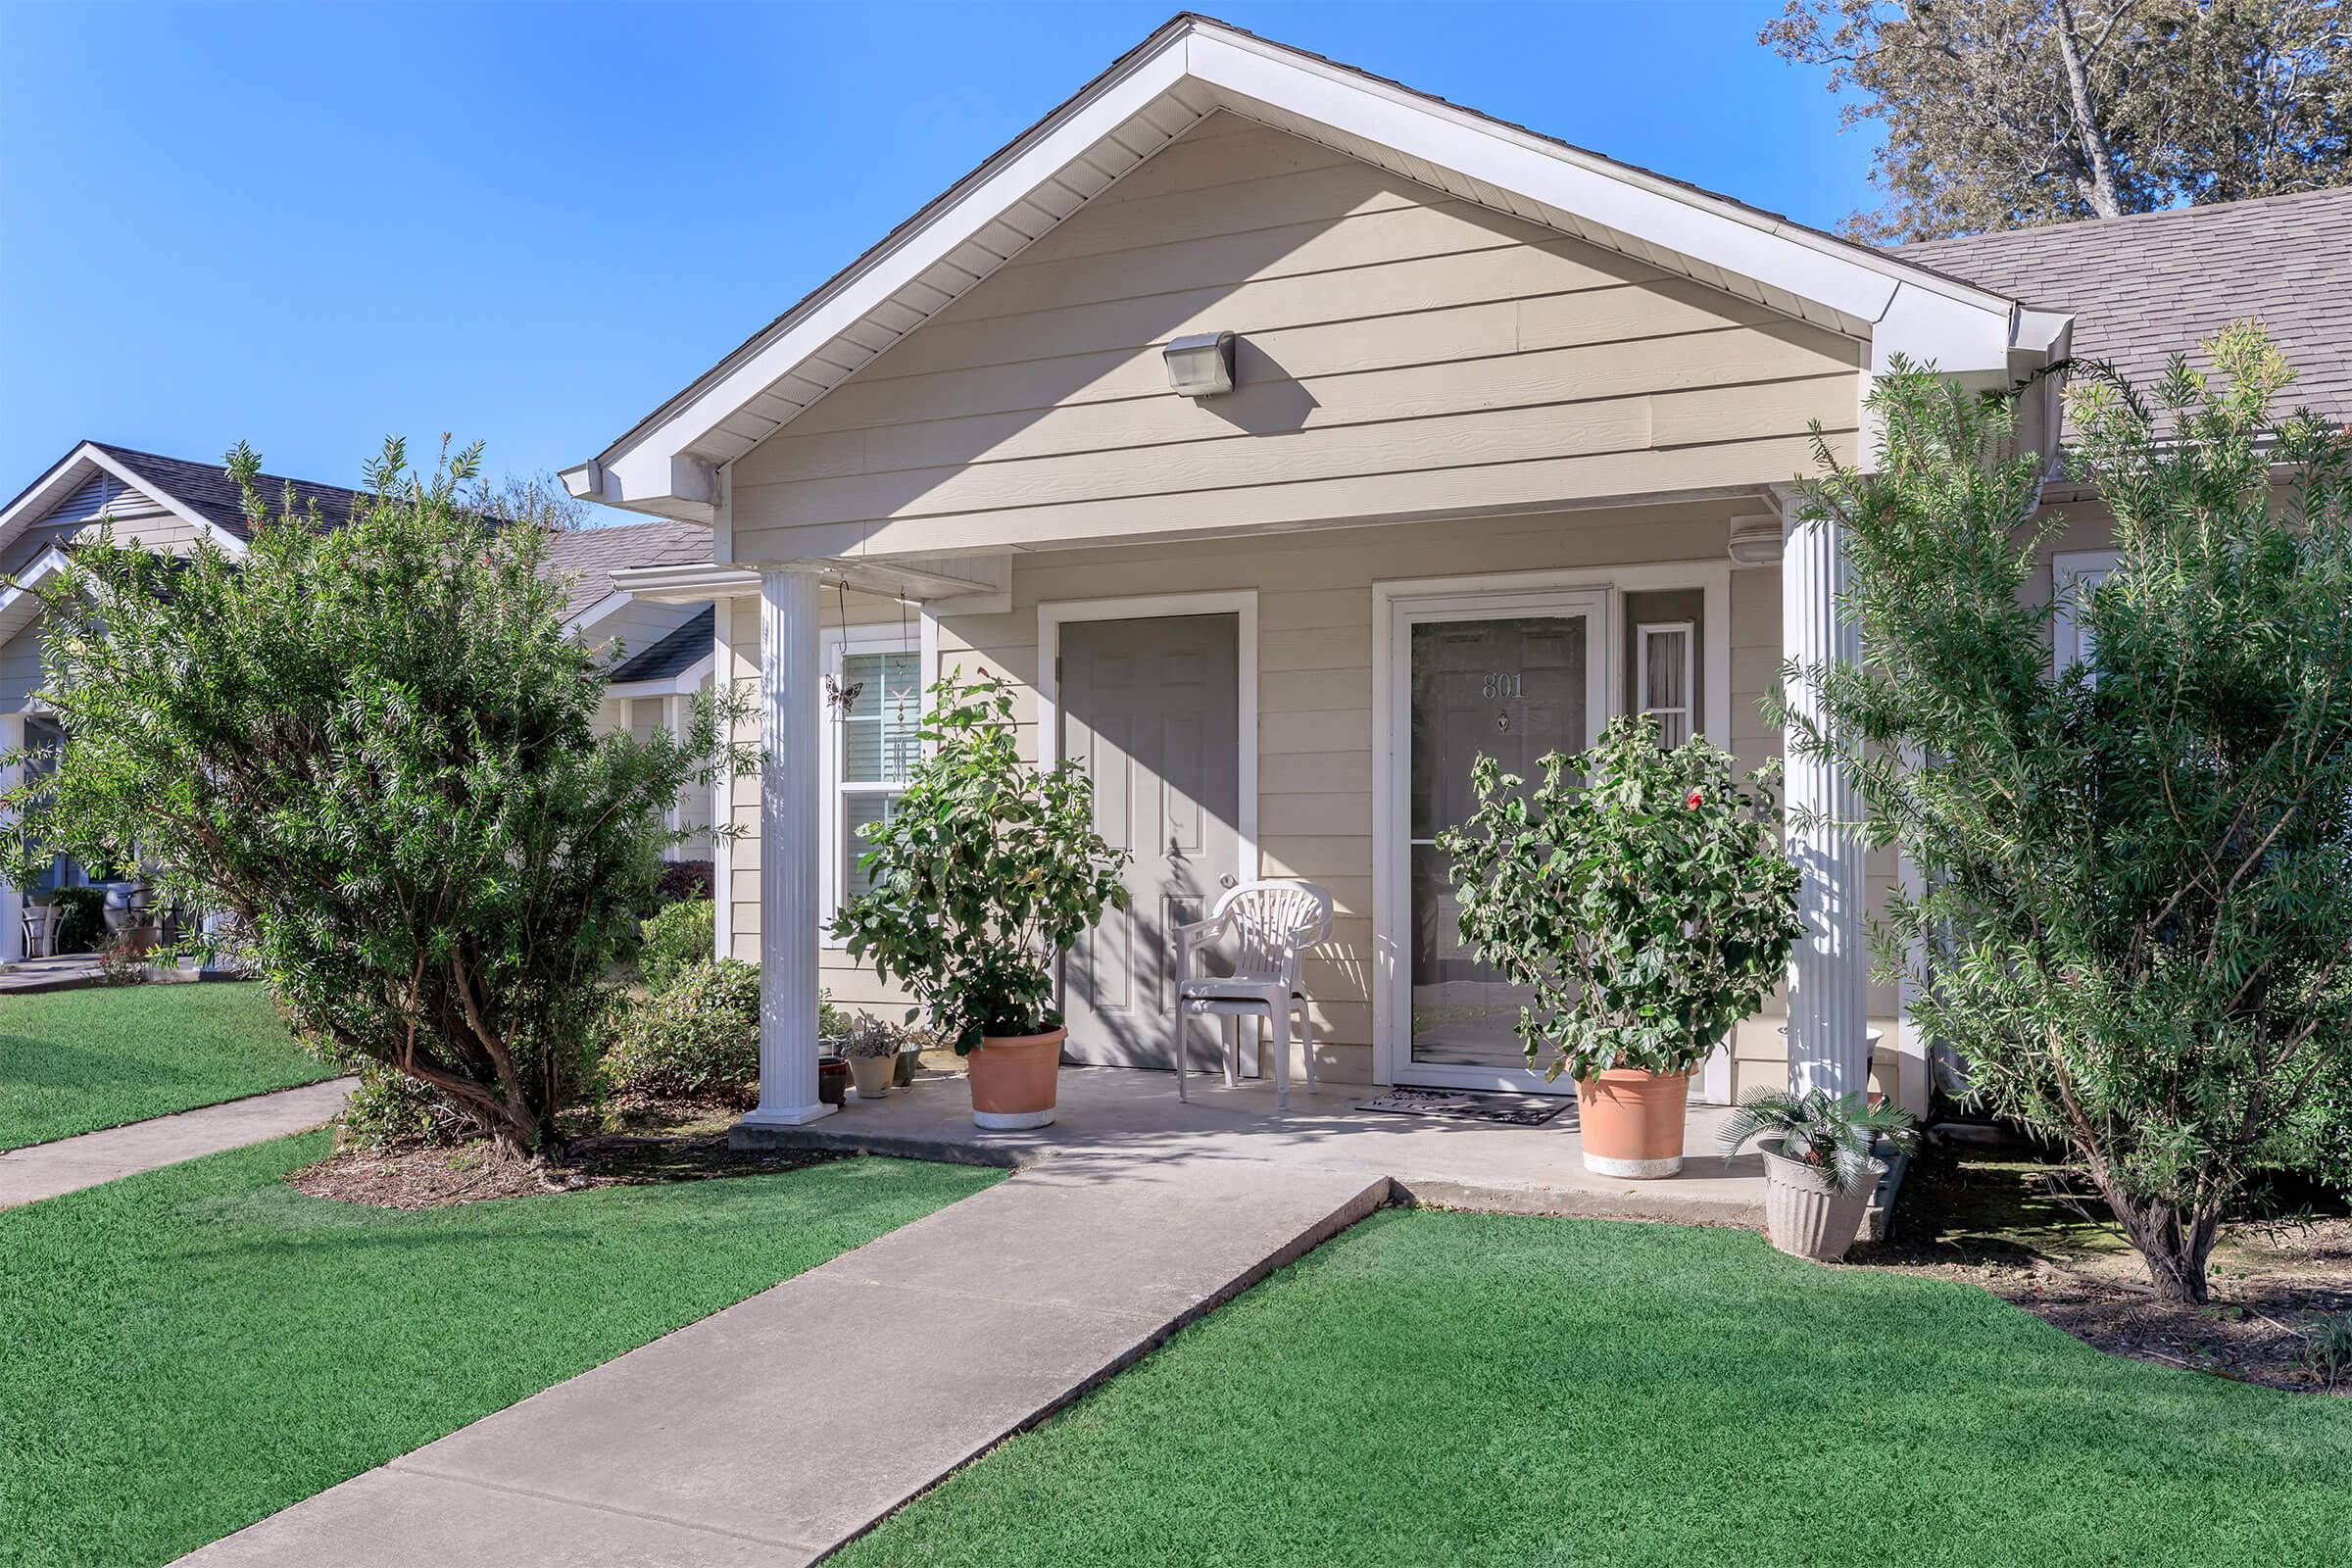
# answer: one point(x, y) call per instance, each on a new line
point(1510, 1110)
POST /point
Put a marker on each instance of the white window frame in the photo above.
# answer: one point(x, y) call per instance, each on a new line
point(2073, 573)
point(1690, 707)
point(836, 645)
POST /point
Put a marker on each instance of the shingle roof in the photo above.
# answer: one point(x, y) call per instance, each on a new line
point(589, 557)
point(673, 655)
point(206, 488)
point(2144, 288)
point(586, 557)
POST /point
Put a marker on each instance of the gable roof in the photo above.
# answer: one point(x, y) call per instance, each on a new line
point(2148, 286)
point(1193, 67)
point(590, 557)
point(204, 494)
point(675, 654)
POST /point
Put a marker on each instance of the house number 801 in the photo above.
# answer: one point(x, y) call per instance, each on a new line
point(1500, 684)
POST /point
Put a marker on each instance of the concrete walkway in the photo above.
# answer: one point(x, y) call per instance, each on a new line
point(775, 1430)
point(45, 1170)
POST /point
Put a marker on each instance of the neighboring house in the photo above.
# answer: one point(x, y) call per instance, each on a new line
point(171, 503)
point(1507, 449)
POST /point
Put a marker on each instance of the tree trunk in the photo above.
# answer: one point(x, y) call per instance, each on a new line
point(2173, 1243)
point(2099, 189)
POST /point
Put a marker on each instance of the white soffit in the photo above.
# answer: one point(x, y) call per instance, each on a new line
point(1188, 69)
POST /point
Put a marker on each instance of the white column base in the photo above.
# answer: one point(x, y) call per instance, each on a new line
point(785, 1115)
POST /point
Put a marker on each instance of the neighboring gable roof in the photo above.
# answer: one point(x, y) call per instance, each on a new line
point(675, 654)
point(1193, 67)
point(588, 557)
point(207, 489)
point(2149, 286)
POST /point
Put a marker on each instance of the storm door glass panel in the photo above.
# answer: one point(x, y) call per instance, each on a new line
point(1512, 689)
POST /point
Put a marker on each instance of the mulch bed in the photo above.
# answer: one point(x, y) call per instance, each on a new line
point(2024, 1231)
point(655, 1143)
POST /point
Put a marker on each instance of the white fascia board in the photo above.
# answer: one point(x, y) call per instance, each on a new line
point(59, 482)
point(597, 611)
point(1913, 312)
point(20, 605)
point(643, 467)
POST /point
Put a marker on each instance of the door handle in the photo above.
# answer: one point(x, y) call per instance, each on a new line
point(1225, 881)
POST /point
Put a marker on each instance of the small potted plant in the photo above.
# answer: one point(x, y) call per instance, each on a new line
point(832, 1078)
point(987, 870)
point(1820, 1163)
point(871, 1046)
point(1641, 898)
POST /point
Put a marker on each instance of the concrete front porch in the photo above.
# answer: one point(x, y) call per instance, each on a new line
point(1113, 1119)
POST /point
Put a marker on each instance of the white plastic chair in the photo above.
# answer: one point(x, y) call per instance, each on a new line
point(1273, 923)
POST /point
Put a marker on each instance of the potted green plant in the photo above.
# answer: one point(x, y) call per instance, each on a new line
point(986, 870)
point(1820, 1163)
point(1641, 898)
point(871, 1046)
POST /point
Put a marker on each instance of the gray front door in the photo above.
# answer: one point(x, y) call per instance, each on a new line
point(1152, 709)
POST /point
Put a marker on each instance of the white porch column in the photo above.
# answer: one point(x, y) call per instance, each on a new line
point(1828, 970)
point(12, 896)
point(788, 847)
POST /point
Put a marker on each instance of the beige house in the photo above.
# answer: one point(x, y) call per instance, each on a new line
point(1290, 437)
point(171, 503)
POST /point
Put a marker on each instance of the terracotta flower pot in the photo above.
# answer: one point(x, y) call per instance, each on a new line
point(1802, 1216)
point(872, 1075)
point(1013, 1079)
point(832, 1079)
point(1632, 1123)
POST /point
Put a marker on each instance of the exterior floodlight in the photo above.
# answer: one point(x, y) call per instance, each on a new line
point(1201, 365)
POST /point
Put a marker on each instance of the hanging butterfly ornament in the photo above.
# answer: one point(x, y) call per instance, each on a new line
point(837, 696)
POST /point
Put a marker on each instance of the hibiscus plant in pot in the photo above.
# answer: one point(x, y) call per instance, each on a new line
point(1639, 896)
point(988, 868)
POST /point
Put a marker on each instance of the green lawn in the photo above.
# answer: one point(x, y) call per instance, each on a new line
point(1454, 1389)
point(73, 1062)
point(185, 1351)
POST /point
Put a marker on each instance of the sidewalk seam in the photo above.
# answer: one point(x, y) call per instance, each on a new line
point(404, 1467)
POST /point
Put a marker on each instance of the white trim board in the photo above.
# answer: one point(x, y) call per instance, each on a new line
point(833, 645)
point(2071, 571)
point(671, 462)
point(1392, 981)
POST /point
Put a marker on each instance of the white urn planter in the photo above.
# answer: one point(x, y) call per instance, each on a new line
point(1803, 1216)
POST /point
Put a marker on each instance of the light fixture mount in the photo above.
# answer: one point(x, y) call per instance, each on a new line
point(1200, 363)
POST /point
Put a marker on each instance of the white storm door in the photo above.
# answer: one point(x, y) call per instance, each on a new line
point(1514, 676)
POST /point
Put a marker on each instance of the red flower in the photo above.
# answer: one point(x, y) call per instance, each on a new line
point(1696, 797)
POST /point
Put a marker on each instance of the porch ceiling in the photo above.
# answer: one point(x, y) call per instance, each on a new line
point(1193, 67)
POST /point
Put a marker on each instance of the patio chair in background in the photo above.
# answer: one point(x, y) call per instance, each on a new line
point(1272, 923)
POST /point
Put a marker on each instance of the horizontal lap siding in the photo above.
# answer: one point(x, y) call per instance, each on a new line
point(1402, 352)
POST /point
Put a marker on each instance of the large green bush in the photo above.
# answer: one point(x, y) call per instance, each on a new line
point(696, 1038)
point(2136, 916)
point(374, 742)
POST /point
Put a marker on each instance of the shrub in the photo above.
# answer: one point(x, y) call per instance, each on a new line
point(374, 743)
point(677, 939)
point(684, 880)
point(697, 1038)
point(987, 869)
point(390, 1109)
point(1641, 893)
point(2135, 916)
point(866, 1035)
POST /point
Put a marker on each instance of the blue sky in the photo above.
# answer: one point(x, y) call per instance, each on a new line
point(311, 225)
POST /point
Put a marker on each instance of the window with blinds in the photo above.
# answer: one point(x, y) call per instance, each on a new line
point(877, 748)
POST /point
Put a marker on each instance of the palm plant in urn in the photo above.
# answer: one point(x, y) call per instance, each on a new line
point(1639, 897)
point(988, 868)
